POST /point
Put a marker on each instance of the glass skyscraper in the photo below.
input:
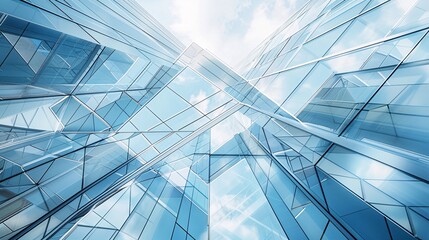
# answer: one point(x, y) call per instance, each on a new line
point(111, 128)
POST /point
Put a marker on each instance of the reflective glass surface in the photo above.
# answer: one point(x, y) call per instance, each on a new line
point(110, 128)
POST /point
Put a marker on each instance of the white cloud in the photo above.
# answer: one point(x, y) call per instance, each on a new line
point(225, 130)
point(230, 29)
point(267, 17)
point(198, 98)
point(209, 24)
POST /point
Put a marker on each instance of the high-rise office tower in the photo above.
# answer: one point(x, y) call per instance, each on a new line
point(110, 128)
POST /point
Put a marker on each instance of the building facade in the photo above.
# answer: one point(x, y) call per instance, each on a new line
point(110, 128)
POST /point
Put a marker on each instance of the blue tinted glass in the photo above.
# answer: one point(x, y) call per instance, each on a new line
point(111, 128)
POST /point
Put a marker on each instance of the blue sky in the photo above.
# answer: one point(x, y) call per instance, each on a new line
point(229, 29)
